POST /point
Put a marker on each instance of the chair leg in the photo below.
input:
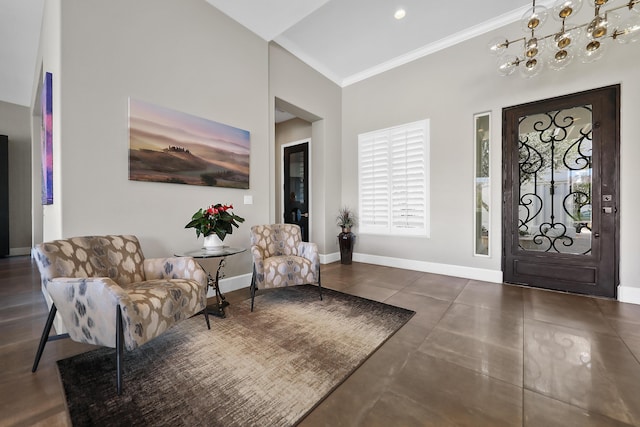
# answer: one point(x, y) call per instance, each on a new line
point(206, 317)
point(253, 287)
point(119, 348)
point(319, 284)
point(45, 336)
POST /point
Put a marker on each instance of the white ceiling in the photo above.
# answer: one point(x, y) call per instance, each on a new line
point(350, 40)
point(20, 22)
point(345, 40)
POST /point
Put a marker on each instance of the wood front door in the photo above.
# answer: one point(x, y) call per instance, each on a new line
point(561, 183)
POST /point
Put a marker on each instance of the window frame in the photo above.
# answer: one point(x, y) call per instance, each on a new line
point(383, 175)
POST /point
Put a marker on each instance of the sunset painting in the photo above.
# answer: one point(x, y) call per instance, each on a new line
point(46, 139)
point(169, 146)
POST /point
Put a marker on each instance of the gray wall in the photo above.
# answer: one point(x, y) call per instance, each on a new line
point(448, 87)
point(15, 123)
point(183, 55)
point(297, 84)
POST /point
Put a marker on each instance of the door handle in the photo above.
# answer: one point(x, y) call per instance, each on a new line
point(306, 215)
point(596, 235)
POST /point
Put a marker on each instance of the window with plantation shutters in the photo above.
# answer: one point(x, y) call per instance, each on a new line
point(393, 180)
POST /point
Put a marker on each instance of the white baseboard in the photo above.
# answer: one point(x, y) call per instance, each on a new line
point(243, 281)
point(483, 274)
point(629, 294)
point(329, 258)
point(232, 284)
point(19, 251)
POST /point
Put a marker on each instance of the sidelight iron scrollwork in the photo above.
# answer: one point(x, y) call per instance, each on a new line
point(555, 163)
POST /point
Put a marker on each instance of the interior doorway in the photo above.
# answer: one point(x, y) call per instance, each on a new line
point(295, 128)
point(561, 160)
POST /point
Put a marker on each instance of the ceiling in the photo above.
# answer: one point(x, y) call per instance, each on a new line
point(345, 40)
point(19, 37)
point(350, 40)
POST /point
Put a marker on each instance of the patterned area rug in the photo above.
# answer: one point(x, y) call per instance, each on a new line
point(266, 368)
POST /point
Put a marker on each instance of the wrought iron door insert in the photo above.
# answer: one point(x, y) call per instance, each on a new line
point(555, 169)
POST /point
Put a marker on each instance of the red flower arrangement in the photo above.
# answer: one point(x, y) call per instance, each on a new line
point(216, 219)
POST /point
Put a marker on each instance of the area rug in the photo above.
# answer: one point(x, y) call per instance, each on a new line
point(266, 368)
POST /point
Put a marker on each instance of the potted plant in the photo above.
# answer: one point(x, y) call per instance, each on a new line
point(214, 223)
point(346, 219)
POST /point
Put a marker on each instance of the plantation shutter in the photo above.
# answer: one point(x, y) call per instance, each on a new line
point(408, 177)
point(393, 180)
point(374, 182)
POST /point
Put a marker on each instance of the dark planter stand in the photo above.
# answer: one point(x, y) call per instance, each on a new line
point(346, 239)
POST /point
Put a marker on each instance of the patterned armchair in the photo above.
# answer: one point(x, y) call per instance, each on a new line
point(108, 294)
point(281, 258)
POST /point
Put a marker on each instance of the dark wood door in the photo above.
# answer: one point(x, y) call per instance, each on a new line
point(561, 180)
point(296, 187)
point(4, 195)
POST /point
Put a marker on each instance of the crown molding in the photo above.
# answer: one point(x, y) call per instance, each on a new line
point(459, 37)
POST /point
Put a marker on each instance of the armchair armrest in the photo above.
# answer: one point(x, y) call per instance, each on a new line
point(175, 268)
point(309, 251)
point(88, 309)
point(257, 252)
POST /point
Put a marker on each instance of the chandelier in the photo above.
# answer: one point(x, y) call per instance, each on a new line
point(587, 41)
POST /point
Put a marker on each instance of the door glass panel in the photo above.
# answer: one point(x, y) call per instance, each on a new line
point(482, 184)
point(296, 177)
point(555, 171)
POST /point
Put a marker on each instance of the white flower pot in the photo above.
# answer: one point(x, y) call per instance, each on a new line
point(212, 241)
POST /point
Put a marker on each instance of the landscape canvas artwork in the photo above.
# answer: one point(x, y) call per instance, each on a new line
point(46, 139)
point(170, 146)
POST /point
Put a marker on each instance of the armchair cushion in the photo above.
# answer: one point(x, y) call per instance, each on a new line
point(287, 271)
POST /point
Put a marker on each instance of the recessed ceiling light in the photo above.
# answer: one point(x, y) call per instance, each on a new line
point(400, 13)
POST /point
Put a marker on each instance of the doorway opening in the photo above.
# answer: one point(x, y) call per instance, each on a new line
point(293, 164)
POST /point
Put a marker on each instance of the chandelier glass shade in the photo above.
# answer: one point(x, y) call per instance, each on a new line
point(587, 41)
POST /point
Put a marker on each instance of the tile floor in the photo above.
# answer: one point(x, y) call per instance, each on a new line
point(475, 354)
point(485, 354)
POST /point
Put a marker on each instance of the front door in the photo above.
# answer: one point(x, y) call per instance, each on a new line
point(296, 187)
point(561, 177)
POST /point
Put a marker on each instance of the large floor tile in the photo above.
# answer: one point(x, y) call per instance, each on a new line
point(393, 278)
point(395, 410)
point(484, 340)
point(619, 310)
point(461, 396)
point(483, 324)
point(428, 310)
point(541, 411)
point(369, 291)
point(348, 404)
point(586, 369)
point(575, 311)
point(437, 286)
point(495, 361)
point(496, 296)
